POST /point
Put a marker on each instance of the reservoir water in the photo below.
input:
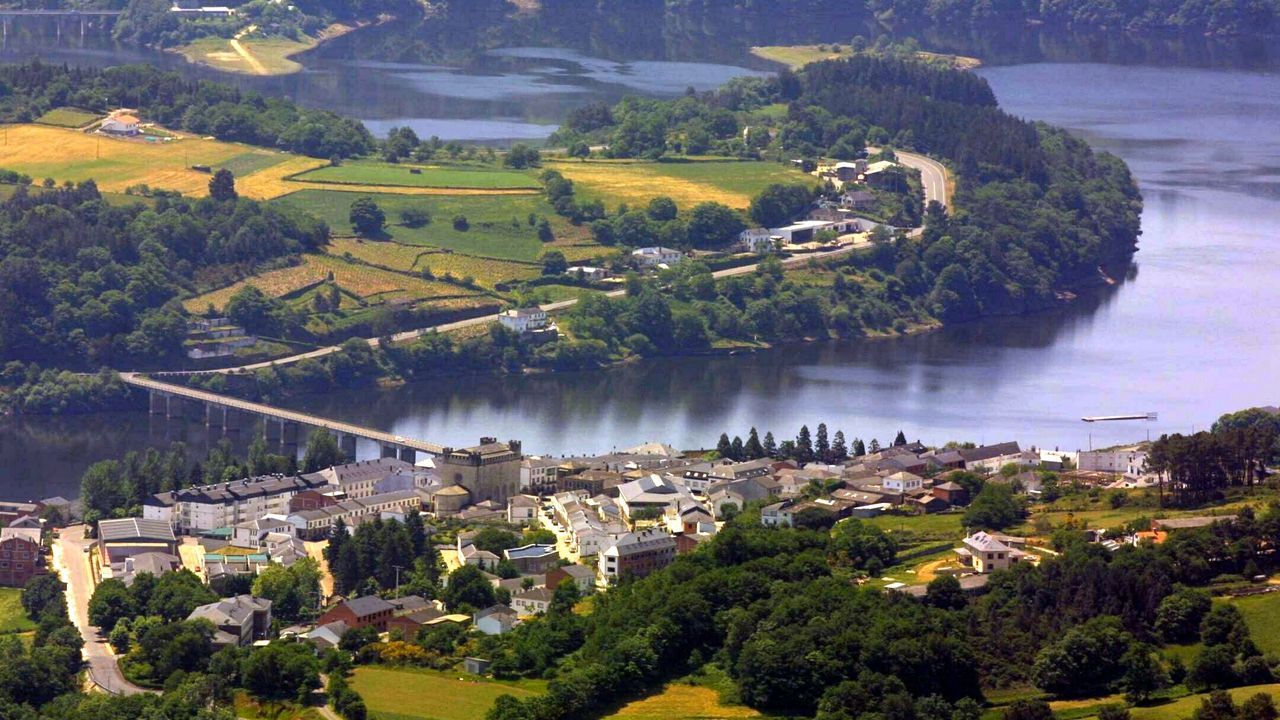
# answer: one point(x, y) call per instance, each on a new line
point(1191, 333)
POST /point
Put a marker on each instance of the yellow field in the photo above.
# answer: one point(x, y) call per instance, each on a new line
point(271, 183)
point(681, 702)
point(576, 253)
point(637, 183)
point(386, 254)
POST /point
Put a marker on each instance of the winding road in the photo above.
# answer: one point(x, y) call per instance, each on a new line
point(933, 177)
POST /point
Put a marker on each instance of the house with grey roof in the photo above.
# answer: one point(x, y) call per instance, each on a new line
point(495, 620)
point(986, 553)
point(154, 563)
point(533, 601)
point(532, 559)
point(125, 537)
point(240, 620)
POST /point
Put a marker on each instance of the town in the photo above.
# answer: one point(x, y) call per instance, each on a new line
point(472, 543)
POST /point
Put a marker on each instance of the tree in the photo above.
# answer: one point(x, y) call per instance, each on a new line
point(281, 671)
point(995, 507)
point(1113, 712)
point(366, 217)
point(724, 448)
point(110, 603)
point(856, 544)
point(579, 150)
point(1085, 661)
point(804, 445)
point(944, 591)
point(222, 186)
point(553, 263)
point(753, 449)
point(522, 156)
point(468, 588)
point(1224, 625)
point(712, 225)
point(769, 446)
point(839, 450)
point(859, 448)
point(1027, 710)
point(778, 204)
point(1179, 615)
point(544, 232)
point(1143, 674)
point(821, 445)
point(413, 217)
point(662, 209)
point(1212, 668)
point(322, 451)
point(900, 439)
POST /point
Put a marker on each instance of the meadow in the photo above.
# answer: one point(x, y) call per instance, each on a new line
point(404, 694)
point(68, 117)
point(1262, 614)
point(488, 272)
point(688, 182)
point(435, 176)
point(13, 618)
point(498, 225)
point(1184, 707)
point(682, 702)
point(115, 164)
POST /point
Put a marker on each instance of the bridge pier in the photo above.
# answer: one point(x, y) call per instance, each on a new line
point(271, 430)
point(388, 451)
point(408, 455)
point(215, 416)
point(159, 403)
point(173, 407)
point(288, 433)
point(347, 444)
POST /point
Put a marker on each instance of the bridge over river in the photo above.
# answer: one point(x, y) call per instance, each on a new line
point(280, 426)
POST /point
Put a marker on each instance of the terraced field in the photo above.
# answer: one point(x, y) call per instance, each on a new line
point(68, 117)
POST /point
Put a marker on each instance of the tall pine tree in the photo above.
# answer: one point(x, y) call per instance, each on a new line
point(821, 446)
point(753, 448)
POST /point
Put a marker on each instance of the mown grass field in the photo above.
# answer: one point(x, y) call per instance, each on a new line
point(43, 151)
point(797, 56)
point(682, 702)
point(13, 619)
point(375, 173)
point(1184, 707)
point(270, 55)
point(1262, 614)
point(249, 709)
point(68, 117)
point(403, 694)
point(498, 225)
point(733, 183)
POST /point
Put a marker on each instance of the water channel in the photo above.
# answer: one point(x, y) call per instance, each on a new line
point(1191, 333)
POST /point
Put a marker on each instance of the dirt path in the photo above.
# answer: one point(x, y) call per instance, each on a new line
point(929, 570)
point(254, 63)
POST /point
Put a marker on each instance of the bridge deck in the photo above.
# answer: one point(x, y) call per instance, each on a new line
point(280, 414)
point(63, 13)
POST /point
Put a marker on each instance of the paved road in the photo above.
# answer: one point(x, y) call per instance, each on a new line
point(72, 562)
point(932, 175)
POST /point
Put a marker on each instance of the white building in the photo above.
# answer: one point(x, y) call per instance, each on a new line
point(121, 124)
point(903, 482)
point(1130, 462)
point(759, 241)
point(649, 257)
point(209, 507)
point(986, 553)
point(523, 320)
point(496, 620)
point(637, 554)
point(533, 601)
point(588, 273)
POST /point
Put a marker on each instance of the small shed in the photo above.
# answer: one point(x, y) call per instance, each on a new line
point(475, 665)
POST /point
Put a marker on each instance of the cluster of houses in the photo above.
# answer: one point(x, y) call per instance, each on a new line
point(216, 337)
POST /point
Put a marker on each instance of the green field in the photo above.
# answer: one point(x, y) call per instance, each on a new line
point(251, 162)
point(68, 117)
point(1184, 707)
point(688, 182)
point(491, 233)
point(1262, 613)
point(405, 694)
point(434, 176)
point(13, 619)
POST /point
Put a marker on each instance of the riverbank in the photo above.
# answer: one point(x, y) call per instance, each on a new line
point(797, 56)
point(263, 56)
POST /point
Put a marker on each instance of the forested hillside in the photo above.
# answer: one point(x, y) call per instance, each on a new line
point(85, 283)
point(29, 90)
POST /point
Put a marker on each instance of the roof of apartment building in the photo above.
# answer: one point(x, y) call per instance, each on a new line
point(135, 529)
point(233, 610)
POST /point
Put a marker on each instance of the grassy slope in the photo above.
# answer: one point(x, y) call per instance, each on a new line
point(13, 619)
point(1262, 613)
point(403, 694)
point(1185, 706)
point(375, 173)
point(682, 702)
point(491, 233)
point(67, 117)
point(688, 183)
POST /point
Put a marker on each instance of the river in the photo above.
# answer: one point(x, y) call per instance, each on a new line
point(1191, 333)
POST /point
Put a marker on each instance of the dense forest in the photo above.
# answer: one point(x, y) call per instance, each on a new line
point(29, 90)
point(85, 283)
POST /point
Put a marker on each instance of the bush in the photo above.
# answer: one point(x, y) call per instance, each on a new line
point(460, 223)
point(414, 217)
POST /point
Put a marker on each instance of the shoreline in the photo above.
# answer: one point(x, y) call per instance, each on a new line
point(797, 56)
point(239, 58)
